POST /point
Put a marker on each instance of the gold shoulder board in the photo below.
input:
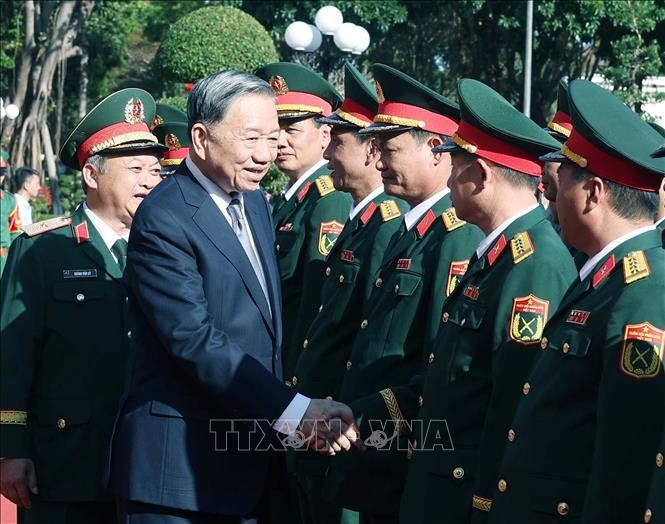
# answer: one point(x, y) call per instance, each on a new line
point(635, 267)
point(450, 219)
point(389, 210)
point(522, 246)
point(46, 225)
point(325, 185)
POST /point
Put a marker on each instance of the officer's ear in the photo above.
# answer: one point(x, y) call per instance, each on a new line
point(372, 152)
point(432, 142)
point(199, 137)
point(89, 175)
point(486, 174)
point(597, 192)
point(324, 133)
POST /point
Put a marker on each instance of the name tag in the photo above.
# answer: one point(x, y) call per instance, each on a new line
point(79, 273)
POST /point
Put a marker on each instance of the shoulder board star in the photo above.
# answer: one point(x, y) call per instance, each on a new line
point(425, 223)
point(450, 219)
point(325, 185)
point(635, 267)
point(367, 214)
point(522, 246)
point(46, 225)
point(603, 272)
point(389, 210)
point(303, 192)
point(496, 250)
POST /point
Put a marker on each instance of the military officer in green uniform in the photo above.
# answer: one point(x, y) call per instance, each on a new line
point(354, 258)
point(582, 442)
point(63, 322)
point(174, 136)
point(165, 113)
point(490, 325)
point(10, 225)
point(418, 270)
point(310, 215)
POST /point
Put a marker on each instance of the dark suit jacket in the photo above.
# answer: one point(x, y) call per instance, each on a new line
point(205, 354)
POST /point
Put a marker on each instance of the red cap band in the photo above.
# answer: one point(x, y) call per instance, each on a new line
point(496, 150)
point(357, 110)
point(563, 119)
point(182, 152)
point(115, 134)
point(295, 101)
point(398, 113)
point(611, 167)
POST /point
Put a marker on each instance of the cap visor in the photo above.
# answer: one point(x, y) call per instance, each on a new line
point(447, 147)
point(555, 135)
point(379, 127)
point(554, 156)
point(132, 147)
point(335, 120)
point(659, 153)
point(293, 115)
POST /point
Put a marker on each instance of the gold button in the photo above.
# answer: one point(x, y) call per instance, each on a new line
point(294, 381)
point(420, 401)
point(341, 279)
point(659, 460)
point(378, 282)
point(458, 472)
point(647, 516)
point(445, 317)
point(544, 342)
point(562, 508)
point(305, 344)
point(320, 308)
point(62, 424)
point(363, 324)
point(511, 435)
point(348, 365)
point(129, 334)
point(502, 485)
point(526, 388)
point(328, 398)
point(80, 297)
point(287, 382)
point(430, 359)
point(396, 288)
point(328, 271)
point(566, 347)
point(277, 248)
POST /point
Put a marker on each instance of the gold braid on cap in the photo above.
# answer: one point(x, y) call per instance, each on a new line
point(399, 121)
point(298, 107)
point(350, 118)
point(558, 128)
point(120, 140)
point(170, 162)
point(574, 157)
point(467, 146)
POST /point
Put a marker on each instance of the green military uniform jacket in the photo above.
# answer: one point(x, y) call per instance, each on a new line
point(352, 262)
point(655, 507)
point(64, 349)
point(307, 226)
point(418, 270)
point(591, 413)
point(10, 226)
point(488, 339)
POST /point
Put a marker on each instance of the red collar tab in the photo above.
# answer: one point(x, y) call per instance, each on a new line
point(81, 233)
point(353, 111)
point(296, 101)
point(496, 250)
point(489, 147)
point(301, 194)
point(367, 214)
point(398, 113)
point(586, 155)
point(603, 272)
point(425, 223)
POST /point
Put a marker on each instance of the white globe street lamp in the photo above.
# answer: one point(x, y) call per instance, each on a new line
point(316, 40)
point(328, 19)
point(347, 37)
point(12, 111)
point(299, 35)
point(363, 41)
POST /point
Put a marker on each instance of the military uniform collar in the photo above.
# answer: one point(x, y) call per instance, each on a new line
point(489, 239)
point(413, 215)
point(105, 231)
point(364, 202)
point(594, 261)
point(660, 223)
point(298, 183)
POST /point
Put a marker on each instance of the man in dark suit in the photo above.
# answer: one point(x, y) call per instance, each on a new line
point(205, 390)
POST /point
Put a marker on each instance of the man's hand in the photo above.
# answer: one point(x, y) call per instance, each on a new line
point(330, 427)
point(18, 480)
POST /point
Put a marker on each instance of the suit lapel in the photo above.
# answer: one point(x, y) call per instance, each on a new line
point(92, 245)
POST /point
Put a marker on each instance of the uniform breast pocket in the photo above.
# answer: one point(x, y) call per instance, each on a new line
point(78, 292)
point(571, 344)
point(465, 315)
point(287, 246)
point(403, 284)
point(468, 347)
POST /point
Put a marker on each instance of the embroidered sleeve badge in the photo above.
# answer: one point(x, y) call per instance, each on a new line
point(528, 319)
point(455, 273)
point(328, 233)
point(642, 350)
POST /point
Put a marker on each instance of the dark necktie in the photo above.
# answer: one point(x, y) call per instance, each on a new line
point(119, 249)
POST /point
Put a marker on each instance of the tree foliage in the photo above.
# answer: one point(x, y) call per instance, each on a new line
point(214, 38)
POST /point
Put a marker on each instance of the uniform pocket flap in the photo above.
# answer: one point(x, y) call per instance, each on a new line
point(456, 465)
point(348, 273)
point(61, 413)
point(574, 343)
point(555, 496)
point(79, 292)
point(466, 315)
point(285, 240)
point(403, 284)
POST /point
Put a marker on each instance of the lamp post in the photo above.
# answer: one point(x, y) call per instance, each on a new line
point(307, 38)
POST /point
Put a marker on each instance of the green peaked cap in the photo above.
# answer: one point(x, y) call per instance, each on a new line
point(300, 91)
point(561, 124)
point(493, 129)
point(359, 105)
point(660, 152)
point(610, 140)
point(175, 136)
point(167, 113)
point(117, 124)
point(405, 103)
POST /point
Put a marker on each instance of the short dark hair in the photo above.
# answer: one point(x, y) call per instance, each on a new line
point(21, 175)
point(627, 202)
point(363, 138)
point(517, 179)
point(420, 136)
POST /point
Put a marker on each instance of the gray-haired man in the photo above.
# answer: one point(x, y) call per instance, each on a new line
point(205, 392)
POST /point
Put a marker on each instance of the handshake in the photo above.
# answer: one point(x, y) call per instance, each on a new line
point(329, 427)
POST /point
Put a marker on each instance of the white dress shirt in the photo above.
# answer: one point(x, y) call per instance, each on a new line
point(413, 215)
point(486, 242)
point(358, 207)
point(291, 189)
point(109, 236)
point(24, 210)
